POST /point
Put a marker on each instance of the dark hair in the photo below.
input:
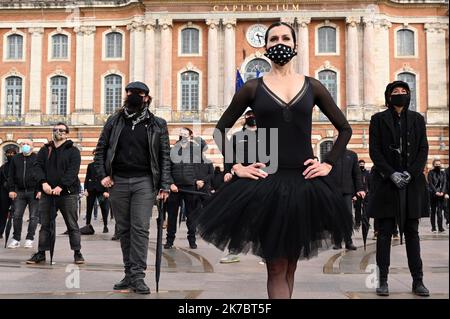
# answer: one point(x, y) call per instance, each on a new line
point(188, 129)
point(362, 161)
point(64, 124)
point(279, 24)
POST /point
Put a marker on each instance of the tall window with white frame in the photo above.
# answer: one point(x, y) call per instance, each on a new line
point(411, 80)
point(13, 91)
point(256, 68)
point(405, 42)
point(114, 45)
point(60, 46)
point(190, 91)
point(15, 47)
point(113, 93)
point(190, 41)
point(329, 80)
point(58, 88)
point(327, 40)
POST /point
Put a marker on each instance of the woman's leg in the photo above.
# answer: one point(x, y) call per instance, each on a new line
point(292, 266)
point(277, 283)
point(90, 199)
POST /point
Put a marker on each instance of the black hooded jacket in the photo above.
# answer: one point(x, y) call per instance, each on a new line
point(59, 167)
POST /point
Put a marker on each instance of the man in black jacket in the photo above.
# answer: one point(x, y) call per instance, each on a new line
point(93, 189)
point(132, 159)
point(346, 175)
point(24, 191)
point(399, 151)
point(360, 203)
point(437, 184)
point(5, 201)
point(57, 166)
point(185, 156)
point(446, 196)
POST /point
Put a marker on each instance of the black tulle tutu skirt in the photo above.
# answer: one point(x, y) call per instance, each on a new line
point(281, 216)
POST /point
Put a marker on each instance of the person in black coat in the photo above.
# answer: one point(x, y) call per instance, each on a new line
point(93, 189)
point(446, 197)
point(346, 176)
point(399, 150)
point(359, 202)
point(437, 186)
point(5, 201)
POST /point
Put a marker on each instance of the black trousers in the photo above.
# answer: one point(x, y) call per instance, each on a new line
point(104, 206)
point(173, 206)
point(437, 206)
point(386, 228)
point(348, 203)
point(5, 203)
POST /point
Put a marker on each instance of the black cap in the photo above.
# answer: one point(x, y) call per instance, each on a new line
point(391, 86)
point(138, 86)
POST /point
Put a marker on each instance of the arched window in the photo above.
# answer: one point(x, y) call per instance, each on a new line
point(114, 45)
point(60, 46)
point(405, 42)
point(256, 68)
point(327, 40)
point(113, 93)
point(13, 89)
point(189, 91)
point(325, 147)
point(411, 80)
point(15, 47)
point(329, 80)
point(190, 41)
point(58, 89)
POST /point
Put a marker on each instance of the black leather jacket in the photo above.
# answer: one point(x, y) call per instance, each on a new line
point(158, 139)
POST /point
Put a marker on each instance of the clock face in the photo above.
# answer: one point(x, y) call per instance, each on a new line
point(255, 35)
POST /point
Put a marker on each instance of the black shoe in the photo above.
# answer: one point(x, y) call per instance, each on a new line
point(78, 258)
point(336, 246)
point(105, 230)
point(383, 290)
point(37, 258)
point(192, 245)
point(168, 245)
point(139, 287)
point(65, 233)
point(115, 237)
point(350, 246)
point(419, 289)
point(125, 283)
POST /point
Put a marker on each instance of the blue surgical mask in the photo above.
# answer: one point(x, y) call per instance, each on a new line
point(26, 149)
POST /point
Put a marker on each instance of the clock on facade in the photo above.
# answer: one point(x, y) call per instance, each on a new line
point(255, 35)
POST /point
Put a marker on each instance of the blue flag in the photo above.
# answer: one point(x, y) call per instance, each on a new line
point(239, 80)
point(258, 74)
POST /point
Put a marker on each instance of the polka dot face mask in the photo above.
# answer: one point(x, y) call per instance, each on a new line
point(280, 54)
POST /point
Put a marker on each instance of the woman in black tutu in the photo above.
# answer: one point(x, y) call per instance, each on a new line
point(286, 214)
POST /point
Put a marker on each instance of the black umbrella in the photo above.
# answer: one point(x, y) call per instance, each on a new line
point(52, 227)
point(9, 222)
point(364, 222)
point(401, 218)
point(159, 224)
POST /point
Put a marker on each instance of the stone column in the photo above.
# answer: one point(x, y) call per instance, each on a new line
point(33, 116)
point(84, 86)
point(213, 68)
point(165, 108)
point(382, 62)
point(137, 38)
point(354, 112)
point(303, 45)
point(229, 59)
point(369, 65)
point(150, 66)
point(437, 111)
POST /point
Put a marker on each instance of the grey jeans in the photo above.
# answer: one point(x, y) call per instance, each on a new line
point(20, 203)
point(132, 202)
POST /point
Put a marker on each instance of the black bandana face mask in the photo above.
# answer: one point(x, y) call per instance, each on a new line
point(280, 54)
point(401, 100)
point(134, 103)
